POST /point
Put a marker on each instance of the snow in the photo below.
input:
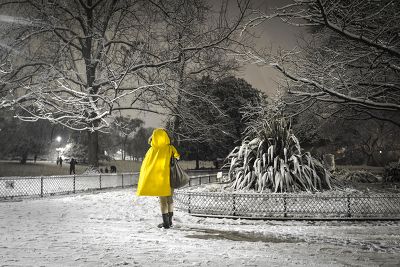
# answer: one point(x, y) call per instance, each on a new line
point(113, 228)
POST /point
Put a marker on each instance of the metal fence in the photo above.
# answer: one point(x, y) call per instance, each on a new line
point(285, 205)
point(11, 187)
point(196, 180)
point(40, 186)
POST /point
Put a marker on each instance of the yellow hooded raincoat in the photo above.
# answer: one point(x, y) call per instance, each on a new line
point(155, 169)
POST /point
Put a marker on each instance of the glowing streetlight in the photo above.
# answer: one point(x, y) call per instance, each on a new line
point(58, 139)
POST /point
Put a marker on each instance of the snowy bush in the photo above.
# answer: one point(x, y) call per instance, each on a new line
point(270, 158)
point(392, 172)
point(359, 176)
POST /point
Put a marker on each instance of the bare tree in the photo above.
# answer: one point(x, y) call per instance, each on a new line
point(186, 21)
point(126, 127)
point(352, 61)
point(76, 63)
point(23, 140)
point(139, 145)
point(224, 131)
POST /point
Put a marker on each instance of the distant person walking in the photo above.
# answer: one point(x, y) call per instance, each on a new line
point(58, 160)
point(72, 164)
point(154, 178)
point(61, 160)
point(113, 169)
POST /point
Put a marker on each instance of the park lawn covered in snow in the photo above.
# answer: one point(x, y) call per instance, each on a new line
point(47, 168)
point(113, 228)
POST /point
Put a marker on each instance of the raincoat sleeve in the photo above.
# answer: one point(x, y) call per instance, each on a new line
point(175, 152)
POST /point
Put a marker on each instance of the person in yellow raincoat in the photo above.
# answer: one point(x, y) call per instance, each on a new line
point(154, 177)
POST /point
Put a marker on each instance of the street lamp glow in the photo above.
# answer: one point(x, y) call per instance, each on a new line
point(58, 138)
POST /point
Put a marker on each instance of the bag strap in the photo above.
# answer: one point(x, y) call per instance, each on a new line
point(172, 159)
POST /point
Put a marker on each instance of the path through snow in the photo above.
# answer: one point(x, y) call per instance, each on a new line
point(113, 228)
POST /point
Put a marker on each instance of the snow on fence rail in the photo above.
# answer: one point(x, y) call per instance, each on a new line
point(11, 187)
point(286, 205)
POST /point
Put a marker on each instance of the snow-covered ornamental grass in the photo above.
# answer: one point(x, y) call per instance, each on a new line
point(270, 159)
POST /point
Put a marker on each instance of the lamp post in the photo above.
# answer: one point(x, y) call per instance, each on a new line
point(58, 139)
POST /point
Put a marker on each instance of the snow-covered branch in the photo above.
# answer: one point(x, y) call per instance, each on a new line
point(352, 58)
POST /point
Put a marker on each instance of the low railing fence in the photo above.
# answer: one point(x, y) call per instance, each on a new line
point(12, 187)
point(285, 205)
point(196, 180)
point(41, 186)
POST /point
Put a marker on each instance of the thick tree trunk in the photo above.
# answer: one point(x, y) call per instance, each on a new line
point(197, 159)
point(93, 148)
point(371, 160)
point(124, 147)
point(181, 84)
point(24, 158)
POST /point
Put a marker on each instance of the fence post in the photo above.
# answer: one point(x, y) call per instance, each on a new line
point(100, 181)
point(284, 206)
point(74, 184)
point(41, 186)
point(189, 211)
point(122, 180)
point(348, 207)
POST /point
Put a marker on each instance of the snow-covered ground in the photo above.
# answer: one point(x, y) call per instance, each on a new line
point(112, 228)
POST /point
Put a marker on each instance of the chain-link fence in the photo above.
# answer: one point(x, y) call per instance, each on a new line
point(11, 187)
point(285, 205)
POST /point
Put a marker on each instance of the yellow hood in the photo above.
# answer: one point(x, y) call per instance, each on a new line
point(159, 138)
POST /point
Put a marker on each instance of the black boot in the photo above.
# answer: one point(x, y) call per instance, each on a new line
point(170, 214)
point(165, 223)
